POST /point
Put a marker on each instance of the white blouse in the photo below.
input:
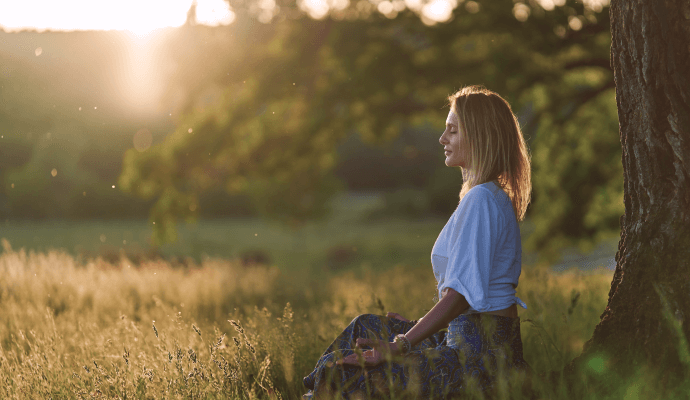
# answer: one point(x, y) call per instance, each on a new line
point(479, 253)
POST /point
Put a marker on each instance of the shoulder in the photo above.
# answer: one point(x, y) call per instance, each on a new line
point(480, 202)
point(480, 195)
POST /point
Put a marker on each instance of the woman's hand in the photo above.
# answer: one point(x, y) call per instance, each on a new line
point(370, 357)
point(397, 316)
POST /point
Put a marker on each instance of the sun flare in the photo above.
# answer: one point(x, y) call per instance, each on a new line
point(138, 16)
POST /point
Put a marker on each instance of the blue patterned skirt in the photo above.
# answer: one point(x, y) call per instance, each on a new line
point(476, 352)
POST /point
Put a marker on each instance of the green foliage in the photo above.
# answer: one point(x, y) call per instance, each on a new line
point(55, 182)
point(265, 156)
point(300, 87)
point(578, 190)
point(274, 108)
point(61, 111)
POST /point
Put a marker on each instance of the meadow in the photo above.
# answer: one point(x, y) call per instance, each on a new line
point(350, 236)
point(199, 321)
point(219, 329)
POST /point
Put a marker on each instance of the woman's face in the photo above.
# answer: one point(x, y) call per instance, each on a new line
point(454, 142)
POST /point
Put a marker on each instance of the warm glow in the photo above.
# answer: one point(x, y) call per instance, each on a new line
point(141, 81)
point(575, 23)
point(140, 75)
point(316, 9)
point(214, 13)
point(521, 11)
point(594, 5)
point(439, 10)
point(138, 16)
point(143, 139)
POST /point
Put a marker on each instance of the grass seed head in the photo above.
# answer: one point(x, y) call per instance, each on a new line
point(250, 347)
point(220, 341)
point(237, 326)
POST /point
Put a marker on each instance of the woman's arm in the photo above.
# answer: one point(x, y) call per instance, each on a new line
point(451, 305)
point(447, 309)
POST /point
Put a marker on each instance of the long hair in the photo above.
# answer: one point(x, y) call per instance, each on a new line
point(497, 149)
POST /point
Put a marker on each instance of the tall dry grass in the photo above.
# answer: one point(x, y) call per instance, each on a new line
point(221, 330)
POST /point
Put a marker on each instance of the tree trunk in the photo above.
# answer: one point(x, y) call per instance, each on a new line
point(647, 319)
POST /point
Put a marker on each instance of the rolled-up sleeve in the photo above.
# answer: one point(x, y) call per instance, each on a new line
point(472, 248)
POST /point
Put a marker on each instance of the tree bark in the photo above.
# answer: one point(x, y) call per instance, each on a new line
point(647, 319)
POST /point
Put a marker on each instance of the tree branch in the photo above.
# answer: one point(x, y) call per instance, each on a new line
point(583, 98)
point(588, 62)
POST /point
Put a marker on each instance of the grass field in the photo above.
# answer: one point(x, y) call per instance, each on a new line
point(158, 331)
point(93, 322)
point(347, 238)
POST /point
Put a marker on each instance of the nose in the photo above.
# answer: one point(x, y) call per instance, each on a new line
point(442, 139)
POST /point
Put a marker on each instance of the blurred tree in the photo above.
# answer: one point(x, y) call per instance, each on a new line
point(275, 100)
point(15, 151)
point(13, 154)
point(45, 125)
point(643, 328)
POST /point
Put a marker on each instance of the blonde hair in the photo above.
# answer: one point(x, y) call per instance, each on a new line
point(497, 149)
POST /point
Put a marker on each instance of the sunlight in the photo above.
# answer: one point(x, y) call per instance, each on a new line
point(138, 16)
point(316, 9)
point(549, 5)
point(144, 16)
point(439, 10)
point(214, 12)
point(141, 79)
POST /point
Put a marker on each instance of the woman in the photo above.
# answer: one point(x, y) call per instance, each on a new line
point(477, 263)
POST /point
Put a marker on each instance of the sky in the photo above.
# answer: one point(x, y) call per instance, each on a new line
point(138, 16)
